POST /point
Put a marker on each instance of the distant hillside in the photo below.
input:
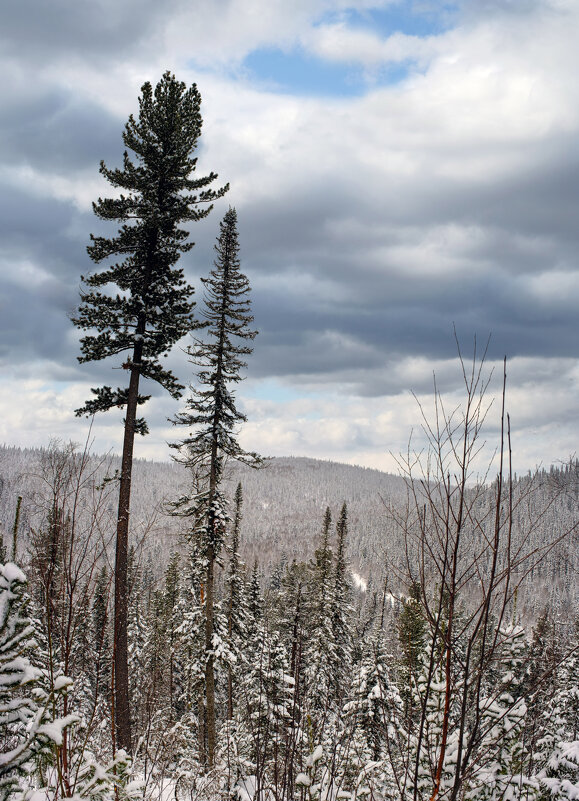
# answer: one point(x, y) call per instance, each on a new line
point(284, 503)
point(282, 515)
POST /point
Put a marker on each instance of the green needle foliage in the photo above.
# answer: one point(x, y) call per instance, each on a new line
point(152, 307)
point(211, 411)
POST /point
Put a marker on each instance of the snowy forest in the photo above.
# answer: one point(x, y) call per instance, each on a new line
point(231, 627)
point(384, 651)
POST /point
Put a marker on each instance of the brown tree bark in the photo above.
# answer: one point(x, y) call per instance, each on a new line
point(122, 711)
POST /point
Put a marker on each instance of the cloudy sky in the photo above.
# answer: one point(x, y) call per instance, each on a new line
point(398, 168)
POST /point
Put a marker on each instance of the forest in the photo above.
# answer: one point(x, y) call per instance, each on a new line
point(450, 653)
point(233, 627)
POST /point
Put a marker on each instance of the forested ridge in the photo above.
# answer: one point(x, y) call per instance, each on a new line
point(283, 508)
point(330, 654)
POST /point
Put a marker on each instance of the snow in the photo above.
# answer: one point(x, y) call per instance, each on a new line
point(62, 682)
point(18, 671)
point(54, 729)
point(359, 581)
point(136, 788)
point(13, 573)
point(245, 788)
point(315, 756)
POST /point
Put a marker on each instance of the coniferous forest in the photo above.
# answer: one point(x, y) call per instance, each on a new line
point(232, 627)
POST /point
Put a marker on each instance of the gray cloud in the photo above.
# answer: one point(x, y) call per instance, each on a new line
point(57, 130)
point(102, 30)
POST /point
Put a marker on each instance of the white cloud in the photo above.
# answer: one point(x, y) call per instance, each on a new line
point(225, 31)
point(81, 188)
point(338, 42)
point(542, 400)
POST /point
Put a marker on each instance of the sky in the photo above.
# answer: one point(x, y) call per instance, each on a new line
point(405, 174)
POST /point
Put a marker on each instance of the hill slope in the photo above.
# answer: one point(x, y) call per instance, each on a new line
point(282, 514)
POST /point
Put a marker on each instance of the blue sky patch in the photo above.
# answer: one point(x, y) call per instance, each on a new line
point(298, 72)
point(408, 17)
point(274, 390)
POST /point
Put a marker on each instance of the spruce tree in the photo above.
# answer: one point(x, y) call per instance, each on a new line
point(342, 611)
point(558, 746)
point(322, 653)
point(237, 612)
point(138, 637)
point(269, 695)
point(101, 662)
point(499, 773)
point(374, 701)
point(152, 307)
point(191, 649)
point(412, 640)
point(171, 614)
point(291, 617)
point(28, 730)
point(213, 418)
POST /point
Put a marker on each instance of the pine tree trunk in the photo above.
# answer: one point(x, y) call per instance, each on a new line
point(120, 644)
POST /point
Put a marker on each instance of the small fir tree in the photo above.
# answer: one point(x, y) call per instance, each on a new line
point(499, 772)
point(101, 645)
point(255, 607)
point(375, 703)
point(264, 731)
point(558, 744)
point(28, 730)
point(411, 637)
point(321, 653)
point(138, 636)
point(342, 611)
point(191, 649)
point(236, 600)
point(212, 418)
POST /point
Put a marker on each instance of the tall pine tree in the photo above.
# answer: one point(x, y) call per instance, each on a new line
point(152, 307)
